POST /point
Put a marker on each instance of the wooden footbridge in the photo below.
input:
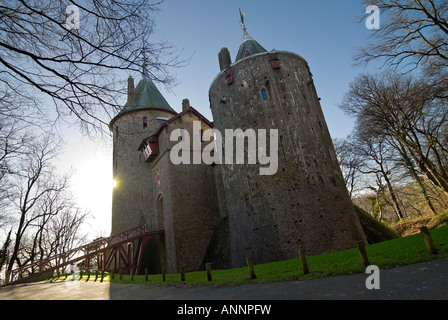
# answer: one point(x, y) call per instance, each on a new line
point(120, 251)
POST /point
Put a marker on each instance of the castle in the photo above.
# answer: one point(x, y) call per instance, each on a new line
point(224, 212)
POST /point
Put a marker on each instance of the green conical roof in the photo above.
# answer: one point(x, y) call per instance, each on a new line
point(147, 96)
point(249, 46)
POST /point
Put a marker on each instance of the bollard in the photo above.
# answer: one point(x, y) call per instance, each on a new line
point(8, 277)
point(363, 253)
point(121, 274)
point(304, 261)
point(428, 240)
point(146, 274)
point(208, 267)
point(163, 273)
point(132, 274)
point(250, 265)
point(102, 276)
point(88, 275)
point(182, 274)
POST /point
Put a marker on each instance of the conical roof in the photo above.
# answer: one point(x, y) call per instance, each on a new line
point(249, 46)
point(147, 96)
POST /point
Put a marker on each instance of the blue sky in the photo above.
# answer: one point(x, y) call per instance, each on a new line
point(324, 32)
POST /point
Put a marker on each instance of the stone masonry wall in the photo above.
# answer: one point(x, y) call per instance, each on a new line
point(131, 199)
point(305, 204)
point(191, 209)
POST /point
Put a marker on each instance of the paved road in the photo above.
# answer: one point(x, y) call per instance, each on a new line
point(428, 280)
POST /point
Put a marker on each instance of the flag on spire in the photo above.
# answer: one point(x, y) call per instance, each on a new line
point(248, 45)
point(242, 16)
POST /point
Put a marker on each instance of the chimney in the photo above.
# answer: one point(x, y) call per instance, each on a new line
point(131, 91)
point(185, 104)
point(224, 59)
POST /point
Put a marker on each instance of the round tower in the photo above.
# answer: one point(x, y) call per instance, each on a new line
point(146, 109)
point(305, 204)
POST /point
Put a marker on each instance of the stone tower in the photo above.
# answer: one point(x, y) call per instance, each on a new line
point(146, 109)
point(305, 204)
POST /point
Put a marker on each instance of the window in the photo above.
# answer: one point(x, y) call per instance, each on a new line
point(147, 151)
point(145, 122)
point(264, 94)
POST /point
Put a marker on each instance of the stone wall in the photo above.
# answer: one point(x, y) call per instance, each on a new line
point(131, 199)
point(191, 208)
point(305, 204)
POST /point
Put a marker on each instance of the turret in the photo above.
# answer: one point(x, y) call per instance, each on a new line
point(145, 110)
point(305, 204)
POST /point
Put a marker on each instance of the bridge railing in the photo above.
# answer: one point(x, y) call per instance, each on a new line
point(69, 257)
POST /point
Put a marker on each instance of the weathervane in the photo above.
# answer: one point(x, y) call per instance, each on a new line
point(145, 62)
point(243, 15)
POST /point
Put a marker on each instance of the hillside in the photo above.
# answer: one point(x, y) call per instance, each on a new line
point(412, 225)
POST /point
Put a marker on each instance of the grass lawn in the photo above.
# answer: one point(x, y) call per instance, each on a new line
point(402, 251)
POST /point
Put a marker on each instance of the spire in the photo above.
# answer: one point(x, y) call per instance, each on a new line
point(242, 16)
point(145, 72)
point(145, 95)
point(249, 46)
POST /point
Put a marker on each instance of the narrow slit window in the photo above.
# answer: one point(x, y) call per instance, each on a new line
point(264, 94)
point(145, 122)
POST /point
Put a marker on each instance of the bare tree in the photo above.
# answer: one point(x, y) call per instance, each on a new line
point(37, 197)
point(378, 201)
point(379, 160)
point(413, 34)
point(408, 113)
point(4, 252)
point(412, 169)
point(63, 233)
point(69, 55)
point(12, 147)
point(349, 161)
